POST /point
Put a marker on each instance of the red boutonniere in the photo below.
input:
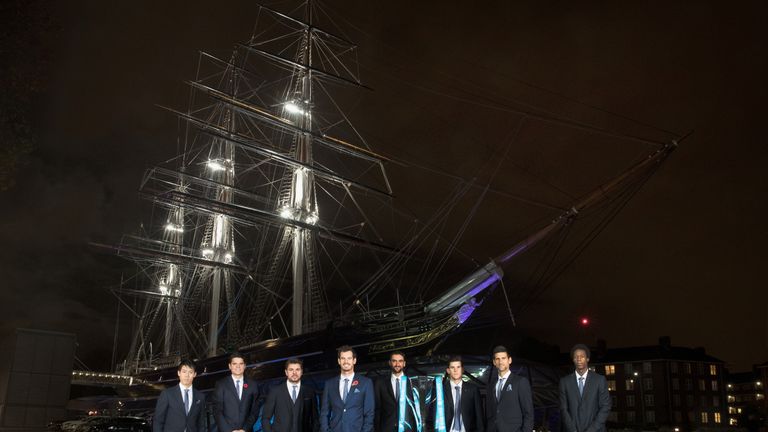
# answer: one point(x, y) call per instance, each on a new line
point(354, 383)
point(245, 385)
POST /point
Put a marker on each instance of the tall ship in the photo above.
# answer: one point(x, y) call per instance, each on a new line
point(273, 231)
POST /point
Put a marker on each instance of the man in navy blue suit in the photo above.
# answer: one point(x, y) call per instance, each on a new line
point(348, 399)
point(181, 408)
point(509, 401)
point(235, 398)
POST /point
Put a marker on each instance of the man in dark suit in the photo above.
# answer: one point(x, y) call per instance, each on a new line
point(235, 398)
point(462, 407)
point(180, 408)
point(509, 401)
point(291, 406)
point(584, 399)
point(388, 393)
point(348, 400)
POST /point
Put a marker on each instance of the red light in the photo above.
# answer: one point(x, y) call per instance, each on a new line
point(585, 321)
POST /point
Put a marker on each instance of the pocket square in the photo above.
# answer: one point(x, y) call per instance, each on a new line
point(509, 388)
point(357, 390)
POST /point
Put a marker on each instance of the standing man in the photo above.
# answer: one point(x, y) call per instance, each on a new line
point(389, 391)
point(509, 402)
point(348, 400)
point(235, 398)
point(462, 408)
point(584, 399)
point(180, 408)
point(291, 406)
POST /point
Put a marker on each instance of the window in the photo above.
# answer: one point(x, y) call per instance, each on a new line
point(687, 367)
point(675, 384)
point(613, 401)
point(691, 416)
point(689, 401)
point(647, 368)
point(731, 399)
point(630, 417)
point(613, 417)
point(703, 401)
point(714, 385)
point(717, 417)
point(688, 384)
point(610, 369)
point(611, 385)
point(760, 396)
point(700, 368)
point(630, 383)
point(647, 383)
point(702, 385)
point(715, 401)
point(733, 422)
point(649, 400)
point(713, 371)
point(650, 417)
point(676, 400)
point(731, 410)
point(673, 367)
point(628, 369)
point(704, 418)
point(630, 400)
point(678, 417)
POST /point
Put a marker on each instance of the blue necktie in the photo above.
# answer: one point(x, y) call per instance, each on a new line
point(346, 390)
point(186, 401)
point(239, 389)
point(457, 410)
point(581, 386)
point(499, 388)
point(397, 389)
point(293, 395)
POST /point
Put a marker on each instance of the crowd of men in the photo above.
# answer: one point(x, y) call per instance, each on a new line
point(352, 402)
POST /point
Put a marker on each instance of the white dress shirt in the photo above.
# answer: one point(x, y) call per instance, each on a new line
point(453, 398)
point(290, 388)
point(350, 377)
point(181, 386)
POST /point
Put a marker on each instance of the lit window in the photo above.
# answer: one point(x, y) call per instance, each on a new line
point(713, 371)
point(760, 396)
point(611, 385)
point(731, 399)
point(714, 385)
point(610, 369)
point(647, 368)
point(717, 417)
point(702, 385)
point(630, 383)
point(733, 422)
point(630, 400)
point(731, 410)
point(704, 418)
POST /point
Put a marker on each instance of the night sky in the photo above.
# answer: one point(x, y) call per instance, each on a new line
point(685, 258)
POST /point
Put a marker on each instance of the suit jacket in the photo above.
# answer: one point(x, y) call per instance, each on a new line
point(233, 413)
point(586, 413)
point(471, 406)
point(281, 414)
point(386, 418)
point(170, 414)
point(353, 415)
point(513, 411)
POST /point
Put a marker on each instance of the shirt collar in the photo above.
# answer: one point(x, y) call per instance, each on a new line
point(350, 376)
point(453, 384)
point(579, 376)
point(505, 376)
point(184, 388)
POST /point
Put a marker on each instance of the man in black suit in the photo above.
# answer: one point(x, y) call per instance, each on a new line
point(291, 406)
point(181, 408)
point(509, 401)
point(235, 398)
point(584, 399)
point(462, 407)
point(388, 392)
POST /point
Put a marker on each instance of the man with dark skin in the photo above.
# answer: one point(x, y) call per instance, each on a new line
point(584, 399)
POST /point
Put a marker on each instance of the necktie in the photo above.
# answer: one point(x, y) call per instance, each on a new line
point(457, 410)
point(293, 394)
point(239, 389)
point(397, 389)
point(346, 390)
point(581, 386)
point(186, 401)
point(499, 387)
